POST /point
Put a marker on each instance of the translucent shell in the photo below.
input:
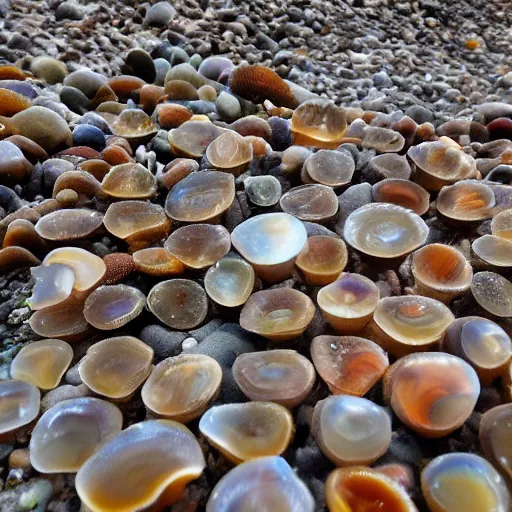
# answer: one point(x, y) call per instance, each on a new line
point(351, 430)
point(199, 245)
point(383, 140)
point(134, 125)
point(349, 365)
point(64, 320)
point(43, 363)
point(191, 139)
point(360, 488)
point(19, 404)
point(331, 168)
point(495, 434)
point(266, 483)
point(441, 272)
point(480, 342)
point(69, 224)
point(463, 481)
point(409, 323)
point(384, 230)
point(390, 165)
point(201, 196)
point(501, 224)
point(230, 152)
point(179, 303)
point(439, 163)
point(68, 433)
point(278, 314)
point(313, 203)
point(53, 284)
point(318, 122)
point(281, 376)
point(157, 261)
point(110, 307)
point(263, 190)
point(129, 181)
point(349, 302)
point(249, 430)
point(432, 393)
point(493, 292)
point(230, 281)
point(137, 222)
point(466, 202)
point(181, 388)
point(16, 257)
point(494, 250)
point(88, 268)
point(118, 478)
point(270, 242)
point(403, 193)
point(322, 259)
point(116, 367)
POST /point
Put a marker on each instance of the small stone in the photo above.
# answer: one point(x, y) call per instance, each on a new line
point(88, 135)
point(51, 70)
point(189, 343)
point(69, 10)
point(20, 459)
point(160, 14)
point(164, 342)
point(61, 393)
point(228, 106)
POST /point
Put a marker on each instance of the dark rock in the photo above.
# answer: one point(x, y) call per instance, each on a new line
point(163, 341)
point(88, 135)
point(69, 10)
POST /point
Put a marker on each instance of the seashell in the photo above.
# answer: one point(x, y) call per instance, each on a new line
point(199, 245)
point(318, 123)
point(201, 196)
point(180, 90)
point(88, 268)
point(12, 258)
point(33, 152)
point(13, 164)
point(409, 323)
point(268, 483)
point(20, 402)
point(313, 203)
point(277, 314)
point(137, 222)
point(179, 303)
point(480, 342)
point(493, 293)
point(362, 488)
point(11, 103)
point(230, 152)
point(53, 284)
point(123, 86)
point(42, 363)
point(390, 165)
point(119, 266)
point(263, 190)
point(402, 192)
point(494, 435)
point(331, 168)
point(349, 302)
point(149, 96)
point(70, 432)
point(111, 307)
point(21, 233)
point(182, 387)
point(10, 72)
point(440, 272)
point(176, 170)
point(385, 231)
point(171, 115)
point(117, 477)
point(494, 250)
point(322, 259)
point(230, 281)
point(349, 365)
point(466, 202)
point(191, 138)
point(501, 224)
point(383, 140)
point(246, 431)
point(129, 181)
point(294, 158)
point(157, 261)
point(65, 320)
point(281, 376)
point(351, 430)
point(83, 183)
point(97, 167)
point(252, 125)
point(439, 163)
point(463, 481)
point(115, 155)
point(259, 83)
point(72, 224)
point(402, 474)
point(116, 367)
point(432, 393)
point(134, 125)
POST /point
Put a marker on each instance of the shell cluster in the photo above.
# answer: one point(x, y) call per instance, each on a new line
point(233, 274)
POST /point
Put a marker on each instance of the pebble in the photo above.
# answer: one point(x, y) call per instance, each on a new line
point(160, 14)
point(88, 135)
point(228, 106)
point(163, 341)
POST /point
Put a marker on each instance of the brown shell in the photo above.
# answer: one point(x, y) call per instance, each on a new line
point(9, 72)
point(170, 115)
point(11, 102)
point(124, 85)
point(119, 265)
point(258, 83)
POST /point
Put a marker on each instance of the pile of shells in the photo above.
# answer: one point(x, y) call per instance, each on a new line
point(360, 262)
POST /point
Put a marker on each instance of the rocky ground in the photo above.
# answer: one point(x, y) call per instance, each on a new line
point(432, 59)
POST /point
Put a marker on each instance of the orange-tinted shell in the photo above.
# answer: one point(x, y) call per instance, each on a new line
point(170, 115)
point(11, 102)
point(124, 85)
point(258, 83)
point(9, 72)
point(116, 155)
point(157, 261)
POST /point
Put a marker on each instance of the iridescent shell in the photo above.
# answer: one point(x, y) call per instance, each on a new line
point(493, 293)
point(403, 193)
point(157, 261)
point(230, 152)
point(494, 250)
point(53, 285)
point(191, 138)
point(72, 224)
point(466, 201)
point(331, 168)
point(134, 125)
point(501, 224)
point(313, 203)
point(19, 404)
point(129, 181)
point(349, 365)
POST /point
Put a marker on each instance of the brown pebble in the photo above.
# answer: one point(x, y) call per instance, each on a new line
point(20, 459)
point(67, 198)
